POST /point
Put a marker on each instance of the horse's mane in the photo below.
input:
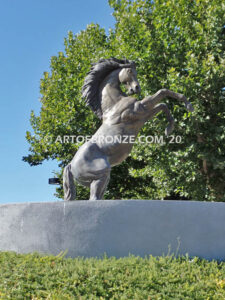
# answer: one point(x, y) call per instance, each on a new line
point(99, 70)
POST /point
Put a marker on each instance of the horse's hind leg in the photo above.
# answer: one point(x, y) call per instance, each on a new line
point(98, 187)
point(91, 168)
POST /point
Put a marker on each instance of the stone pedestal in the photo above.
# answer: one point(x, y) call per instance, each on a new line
point(115, 228)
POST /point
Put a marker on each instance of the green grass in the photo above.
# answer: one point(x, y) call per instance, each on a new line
point(47, 277)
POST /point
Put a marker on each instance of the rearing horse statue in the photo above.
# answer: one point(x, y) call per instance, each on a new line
point(121, 114)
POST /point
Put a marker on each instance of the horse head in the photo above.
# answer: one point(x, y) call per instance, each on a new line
point(118, 71)
point(128, 77)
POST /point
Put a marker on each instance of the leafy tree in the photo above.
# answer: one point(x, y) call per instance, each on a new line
point(178, 45)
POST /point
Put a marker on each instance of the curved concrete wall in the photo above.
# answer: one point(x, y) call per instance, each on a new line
point(115, 227)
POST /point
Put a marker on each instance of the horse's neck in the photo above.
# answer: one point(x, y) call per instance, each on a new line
point(111, 92)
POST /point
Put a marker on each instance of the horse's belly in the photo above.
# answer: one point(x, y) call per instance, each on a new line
point(115, 160)
point(116, 152)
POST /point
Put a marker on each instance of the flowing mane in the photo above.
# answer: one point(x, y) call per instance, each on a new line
point(98, 72)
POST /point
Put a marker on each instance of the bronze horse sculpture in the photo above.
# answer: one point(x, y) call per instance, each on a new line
point(121, 114)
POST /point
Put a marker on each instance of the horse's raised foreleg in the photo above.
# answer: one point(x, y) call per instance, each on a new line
point(151, 101)
point(163, 107)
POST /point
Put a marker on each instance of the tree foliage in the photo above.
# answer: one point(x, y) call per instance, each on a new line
point(178, 45)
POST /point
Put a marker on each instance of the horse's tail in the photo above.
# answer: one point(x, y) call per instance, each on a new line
point(68, 184)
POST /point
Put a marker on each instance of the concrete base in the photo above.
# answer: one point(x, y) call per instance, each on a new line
point(115, 227)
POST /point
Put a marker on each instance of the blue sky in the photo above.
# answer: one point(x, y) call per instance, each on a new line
point(31, 32)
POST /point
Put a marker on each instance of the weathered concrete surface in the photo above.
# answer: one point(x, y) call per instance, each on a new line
point(115, 227)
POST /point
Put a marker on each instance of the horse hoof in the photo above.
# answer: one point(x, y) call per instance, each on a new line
point(169, 130)
point(190, 107)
